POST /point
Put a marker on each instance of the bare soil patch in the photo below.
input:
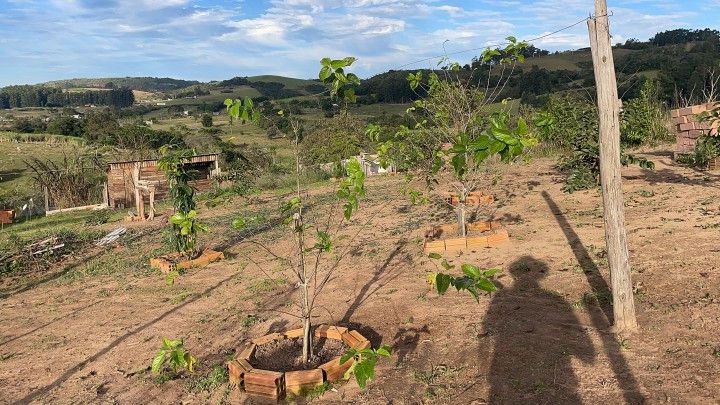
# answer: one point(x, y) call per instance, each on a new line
point(543, 338)
point(286, 354)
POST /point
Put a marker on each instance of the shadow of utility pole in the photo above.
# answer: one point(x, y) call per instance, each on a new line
point(600, 315)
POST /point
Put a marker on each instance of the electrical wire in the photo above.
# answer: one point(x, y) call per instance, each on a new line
point(500, 44)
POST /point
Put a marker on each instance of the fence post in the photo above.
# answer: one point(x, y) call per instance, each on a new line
point(610, 175)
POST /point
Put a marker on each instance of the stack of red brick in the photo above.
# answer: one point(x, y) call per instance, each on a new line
point(689, 129)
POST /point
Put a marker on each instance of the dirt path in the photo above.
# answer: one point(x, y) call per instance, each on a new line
point(89, 336)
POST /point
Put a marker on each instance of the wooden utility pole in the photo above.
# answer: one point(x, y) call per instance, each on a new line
point(610, 176)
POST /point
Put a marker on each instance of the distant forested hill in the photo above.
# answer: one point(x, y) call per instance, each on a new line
point(681, 61)
point(150, 84)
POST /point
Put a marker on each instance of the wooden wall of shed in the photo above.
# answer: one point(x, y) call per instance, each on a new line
point(121, 191)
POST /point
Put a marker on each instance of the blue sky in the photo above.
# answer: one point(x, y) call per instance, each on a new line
point(44, 40)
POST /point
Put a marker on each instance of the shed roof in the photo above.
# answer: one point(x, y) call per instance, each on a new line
point(210, 157)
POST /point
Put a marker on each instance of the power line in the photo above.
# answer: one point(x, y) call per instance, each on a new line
point(497, 45)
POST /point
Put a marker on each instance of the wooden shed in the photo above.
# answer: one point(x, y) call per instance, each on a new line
point(121, 189)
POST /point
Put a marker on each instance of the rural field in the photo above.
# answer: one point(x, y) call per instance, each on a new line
point(86, 331)
point(372, 202)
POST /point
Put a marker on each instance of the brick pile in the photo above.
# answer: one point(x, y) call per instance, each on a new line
point(689, 129)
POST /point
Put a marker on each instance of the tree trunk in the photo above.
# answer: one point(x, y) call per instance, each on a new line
point(610, 176)
point(462, 213)
point(307, 351)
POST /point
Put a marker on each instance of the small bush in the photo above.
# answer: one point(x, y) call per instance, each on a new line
point(644, 119)
point(707, 148)
point(571, 124)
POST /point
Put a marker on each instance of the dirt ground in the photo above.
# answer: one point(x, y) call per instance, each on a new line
point(87, 334)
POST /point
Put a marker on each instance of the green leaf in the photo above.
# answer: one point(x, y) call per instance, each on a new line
point(491, 272)
point(349, 354)
point(442, 282)
point(384, 350)
point(364, 372)
point(176, 359)
point(471, 271)
point(486, 285)
point(325, 73)
point(435, 256)
point(170, 278)
point(446, 265)
point(157, 362)
point(190, 361)
point(177, 218)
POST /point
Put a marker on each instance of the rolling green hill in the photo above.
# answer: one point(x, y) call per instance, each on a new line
point(149, 84)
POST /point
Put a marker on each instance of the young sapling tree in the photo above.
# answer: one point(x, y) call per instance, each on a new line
point(455, 131)
point(185, 225)
point(313, 240)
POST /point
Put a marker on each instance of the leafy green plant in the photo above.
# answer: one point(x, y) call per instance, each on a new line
point(363, 367)
point(341, 83)
point(474, 280)
point(707, 148)
point(185, 225)
point(173, 354)
point(571, 124)
point(644, 119)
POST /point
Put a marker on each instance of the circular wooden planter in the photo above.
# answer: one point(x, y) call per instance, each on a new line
point(274, 384)
point(497, 236)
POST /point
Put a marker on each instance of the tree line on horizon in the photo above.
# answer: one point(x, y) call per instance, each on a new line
point(23, 96)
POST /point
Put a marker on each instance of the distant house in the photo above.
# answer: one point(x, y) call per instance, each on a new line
point(121, 189)
point(161, 104)
point(370, 164)
point(78, 116)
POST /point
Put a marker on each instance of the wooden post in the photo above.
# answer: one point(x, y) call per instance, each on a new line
point(47, 199)
point(106, 197)
point(610, 176)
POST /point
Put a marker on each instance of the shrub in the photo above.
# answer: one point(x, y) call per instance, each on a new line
point(571, 124)
point(644, 119)
point(707, 148)
point(333, 139)
point(207, 120)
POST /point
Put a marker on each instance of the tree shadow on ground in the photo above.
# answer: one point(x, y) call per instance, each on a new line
point(10, 175)
point(536, 335)
point(379, 279)
point(60, 318)
point(74, 369)
point(668, 176)
point(601, 316)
